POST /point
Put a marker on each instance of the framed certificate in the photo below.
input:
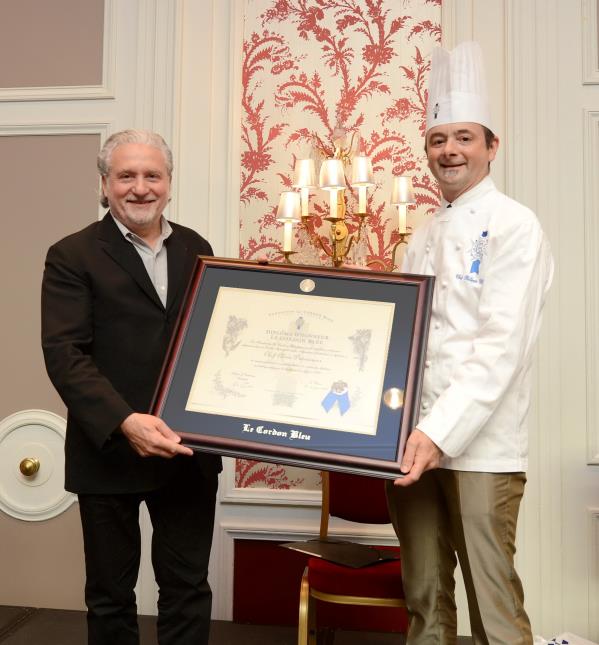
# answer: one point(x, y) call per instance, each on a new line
point(314, 367)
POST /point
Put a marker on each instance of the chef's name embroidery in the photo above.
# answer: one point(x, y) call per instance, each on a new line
point(478, 251)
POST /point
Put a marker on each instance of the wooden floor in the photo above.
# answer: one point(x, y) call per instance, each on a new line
point(27, 626)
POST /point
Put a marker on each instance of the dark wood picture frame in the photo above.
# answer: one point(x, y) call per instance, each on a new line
point(228, 432)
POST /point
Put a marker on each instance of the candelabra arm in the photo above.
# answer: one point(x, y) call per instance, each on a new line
point(314, 238)
point(402, 240)
point(362, 217)
point(323, 247)
point(378, 262)
point(352, 238)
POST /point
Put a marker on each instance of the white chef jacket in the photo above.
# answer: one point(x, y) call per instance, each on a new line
point(493, 267)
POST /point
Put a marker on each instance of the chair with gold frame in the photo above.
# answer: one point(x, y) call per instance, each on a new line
point(359, 499)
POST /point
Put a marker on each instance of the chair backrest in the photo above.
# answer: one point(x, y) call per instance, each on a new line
point(356, 498)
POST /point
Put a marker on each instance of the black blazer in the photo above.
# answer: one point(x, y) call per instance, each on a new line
point(105, 333)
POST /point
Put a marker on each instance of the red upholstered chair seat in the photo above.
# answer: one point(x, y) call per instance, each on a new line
point(378, 580)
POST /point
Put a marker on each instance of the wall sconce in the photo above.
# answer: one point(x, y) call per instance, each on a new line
point(332, 179)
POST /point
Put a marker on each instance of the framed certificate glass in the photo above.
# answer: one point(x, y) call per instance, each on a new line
point(298, 365)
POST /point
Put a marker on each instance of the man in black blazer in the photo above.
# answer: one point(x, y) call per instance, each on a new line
point(111, 295)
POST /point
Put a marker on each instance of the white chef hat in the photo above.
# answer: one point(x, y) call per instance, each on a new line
point(457, 91)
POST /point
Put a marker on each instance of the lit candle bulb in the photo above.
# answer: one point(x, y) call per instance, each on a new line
point(362, 179)
point(288, 213)
point(287, 233)
point(401, 196)
point(332, 178)
point(305, 178)
point(333, 203)
point(305, 199)
point(362, 199)
point(402, 211)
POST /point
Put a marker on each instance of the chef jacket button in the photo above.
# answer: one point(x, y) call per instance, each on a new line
point(472, 211)
point(444, 284)
point(427, 248)
point(427, 363)
point(425, 405)
point(437, 325)
point(458, 247)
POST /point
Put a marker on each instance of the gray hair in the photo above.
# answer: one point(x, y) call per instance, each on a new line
point(146, 137)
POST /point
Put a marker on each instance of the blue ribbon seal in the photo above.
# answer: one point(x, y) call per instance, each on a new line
point(338, 394)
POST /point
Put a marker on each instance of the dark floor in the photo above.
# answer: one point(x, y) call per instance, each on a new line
point(26, 626)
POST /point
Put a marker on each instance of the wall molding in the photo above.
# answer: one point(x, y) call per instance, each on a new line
point(230, 494)
point(59, 129)
point(232, 205)
point(157, 55)
point(226, 532)
point(593, 579)
point(590, 45)
point(35, 128)
point(78, 92)
point(208, 124)
point(531, 178)
point(457, 22)
point(591, 238)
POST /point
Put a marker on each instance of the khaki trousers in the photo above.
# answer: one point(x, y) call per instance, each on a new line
point(473, 515)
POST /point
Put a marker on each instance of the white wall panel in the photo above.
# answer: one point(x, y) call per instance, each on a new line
point(208, 123)
point(591, 238)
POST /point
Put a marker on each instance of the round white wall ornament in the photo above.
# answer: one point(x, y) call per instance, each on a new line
point(32, 465)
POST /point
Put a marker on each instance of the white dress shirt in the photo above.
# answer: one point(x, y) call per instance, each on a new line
point(154, 259)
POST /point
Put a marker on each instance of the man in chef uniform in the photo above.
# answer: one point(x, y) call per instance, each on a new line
point(465, 460)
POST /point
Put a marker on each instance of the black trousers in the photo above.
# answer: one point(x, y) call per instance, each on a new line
point(183, 521)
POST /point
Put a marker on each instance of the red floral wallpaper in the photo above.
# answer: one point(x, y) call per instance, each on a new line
point(310, 66)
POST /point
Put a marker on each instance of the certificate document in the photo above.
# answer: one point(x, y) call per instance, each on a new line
point(294, 358)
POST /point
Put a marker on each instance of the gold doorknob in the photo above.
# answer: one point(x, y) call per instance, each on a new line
point(29, 466)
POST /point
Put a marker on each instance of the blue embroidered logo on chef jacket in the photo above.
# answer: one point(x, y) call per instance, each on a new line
point(478, 250)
